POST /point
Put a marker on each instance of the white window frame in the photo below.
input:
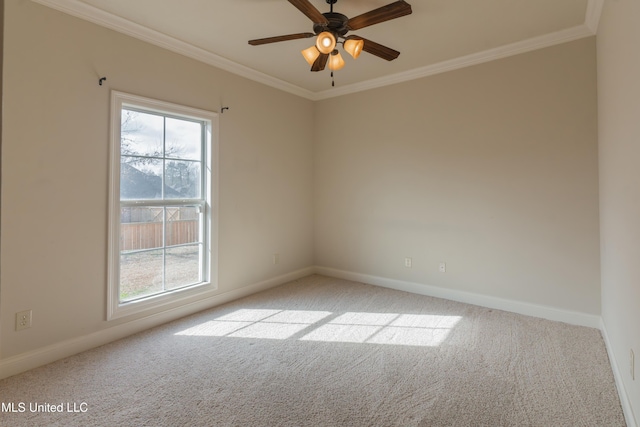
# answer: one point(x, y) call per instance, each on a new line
point(115, 308)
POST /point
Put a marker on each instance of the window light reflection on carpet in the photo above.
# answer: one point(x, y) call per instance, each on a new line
point(422, 330)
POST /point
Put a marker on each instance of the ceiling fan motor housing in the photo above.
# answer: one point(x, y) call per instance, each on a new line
point(337, 24)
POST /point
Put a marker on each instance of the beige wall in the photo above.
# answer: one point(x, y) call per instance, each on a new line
point(54, 166)
point(491, 169)
point(619, 141)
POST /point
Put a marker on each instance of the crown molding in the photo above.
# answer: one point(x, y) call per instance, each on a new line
point(97, 16)
point(592, 18)
point(92, 14)
point(512, 49)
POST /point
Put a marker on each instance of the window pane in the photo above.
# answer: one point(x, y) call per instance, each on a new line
point(183, 225)
point(140, 178)
point(141, 134)
point(184, 139)
point(140, 274)
point(182, 180)
point(140, 228)
point(182, 266)
point(158, 214)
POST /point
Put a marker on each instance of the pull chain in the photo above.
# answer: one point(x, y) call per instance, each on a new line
point(333, 83)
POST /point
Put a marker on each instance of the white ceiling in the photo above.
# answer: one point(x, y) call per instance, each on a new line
point(438, 36)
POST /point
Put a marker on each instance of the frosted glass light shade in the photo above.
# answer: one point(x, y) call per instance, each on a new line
point(326, 42)
point(311, 54)
point(354, 47)
point(336, 62)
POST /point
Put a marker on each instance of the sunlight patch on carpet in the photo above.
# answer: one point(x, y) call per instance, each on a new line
point(423, 330)
point(258, 323)
point(386, 328)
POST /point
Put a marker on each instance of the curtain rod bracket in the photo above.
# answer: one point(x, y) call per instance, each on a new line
point(222, 109)
point(101, 80)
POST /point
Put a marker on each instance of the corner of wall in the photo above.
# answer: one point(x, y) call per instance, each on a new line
point(1, 116)
point(592, 18)
point(622, 391)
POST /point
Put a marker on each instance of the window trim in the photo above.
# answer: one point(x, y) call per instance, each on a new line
point(116, 309)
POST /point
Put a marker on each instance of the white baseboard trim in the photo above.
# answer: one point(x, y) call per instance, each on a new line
point(545, 312)
point(42, 356)
point(622, 391)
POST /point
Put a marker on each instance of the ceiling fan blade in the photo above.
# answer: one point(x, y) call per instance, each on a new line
point(308, 9)
point(384, 13)
point(266, 40)
point(377, 49)
point(320, 62)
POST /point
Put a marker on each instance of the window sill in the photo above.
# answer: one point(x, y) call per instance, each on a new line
point(118, 310)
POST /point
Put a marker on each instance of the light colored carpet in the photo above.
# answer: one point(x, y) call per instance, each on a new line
point(328, 352)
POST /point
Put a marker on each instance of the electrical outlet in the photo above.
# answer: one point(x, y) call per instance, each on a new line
point(442, 267)
point(23, 320)
point(276, 259)
point(632, 367)
point(407, 262)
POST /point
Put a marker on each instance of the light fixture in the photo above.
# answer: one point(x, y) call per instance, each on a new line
point(319, 54)
point(335, 61)
point(354, 47)
point(311, 54)
point(326, 42)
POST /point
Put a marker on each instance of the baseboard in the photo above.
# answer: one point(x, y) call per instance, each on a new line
point(42, 356)
point(545, 312)
point(622, 391)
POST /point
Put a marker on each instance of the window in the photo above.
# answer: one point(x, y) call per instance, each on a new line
point(162, 211)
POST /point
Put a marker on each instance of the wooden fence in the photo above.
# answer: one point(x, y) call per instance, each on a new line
point(146, 235)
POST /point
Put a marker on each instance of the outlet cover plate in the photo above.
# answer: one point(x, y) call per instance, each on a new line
point(23, 320)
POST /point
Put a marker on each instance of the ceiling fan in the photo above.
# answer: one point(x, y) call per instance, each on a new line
point(331, 29)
